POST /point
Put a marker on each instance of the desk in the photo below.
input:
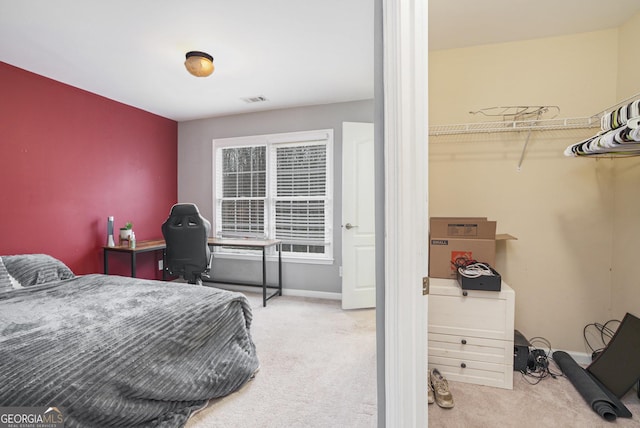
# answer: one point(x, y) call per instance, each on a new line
point(258, 244)
point(160, 245)
point(141, 247)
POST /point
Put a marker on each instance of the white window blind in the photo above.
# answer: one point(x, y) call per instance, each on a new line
point(242, 184)
point(300, 195)
point(279, 187)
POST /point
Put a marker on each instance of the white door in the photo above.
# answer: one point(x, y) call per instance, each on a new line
point(358, 220)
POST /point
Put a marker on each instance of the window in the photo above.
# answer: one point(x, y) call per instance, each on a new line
point(242, 205)
point(277, 187)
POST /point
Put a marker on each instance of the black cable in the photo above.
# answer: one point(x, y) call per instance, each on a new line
point(609, 332)
point(540, 362)
point(528, 374)
point(541, 357)
point(606, 333)
point(560, 373)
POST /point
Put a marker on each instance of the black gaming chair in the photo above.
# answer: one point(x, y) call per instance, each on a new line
point(186, 233)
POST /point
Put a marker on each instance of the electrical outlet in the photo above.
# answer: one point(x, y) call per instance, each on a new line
point(160, 264)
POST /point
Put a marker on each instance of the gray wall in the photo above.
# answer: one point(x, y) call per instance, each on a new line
point(195, 178)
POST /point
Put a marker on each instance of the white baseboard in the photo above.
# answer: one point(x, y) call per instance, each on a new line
point(581, 358)
point(285, 291)
point(312, 294)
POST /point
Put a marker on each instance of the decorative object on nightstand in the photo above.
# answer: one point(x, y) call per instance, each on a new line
point(125, 232)
point(471, 333)
point(110, 240)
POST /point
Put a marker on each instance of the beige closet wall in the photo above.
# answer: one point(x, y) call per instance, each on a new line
point(626, 249)
point(629, 60)
point(561, 209)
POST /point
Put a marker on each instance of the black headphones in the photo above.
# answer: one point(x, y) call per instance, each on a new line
point(537, 360)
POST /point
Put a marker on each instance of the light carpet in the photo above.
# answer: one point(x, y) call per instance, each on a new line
point(318, 369)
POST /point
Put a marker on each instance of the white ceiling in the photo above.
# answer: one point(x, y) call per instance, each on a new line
point(293, 52)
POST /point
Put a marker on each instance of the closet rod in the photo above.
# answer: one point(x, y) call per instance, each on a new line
point(617, 106)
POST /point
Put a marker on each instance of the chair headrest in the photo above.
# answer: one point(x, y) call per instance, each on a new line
point(184, 209)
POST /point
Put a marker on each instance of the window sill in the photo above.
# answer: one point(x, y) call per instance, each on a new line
point(273, 258)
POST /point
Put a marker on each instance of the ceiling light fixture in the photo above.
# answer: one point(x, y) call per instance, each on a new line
point(200, 64)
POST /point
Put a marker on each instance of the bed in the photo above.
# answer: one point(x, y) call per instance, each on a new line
point(116, 351)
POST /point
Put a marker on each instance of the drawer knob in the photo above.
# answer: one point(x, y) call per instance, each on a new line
point(464, 293)
point(464, 341)
point(463, 365)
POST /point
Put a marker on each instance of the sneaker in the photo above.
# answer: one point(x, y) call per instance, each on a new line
point(430, 398)
point(443, 396)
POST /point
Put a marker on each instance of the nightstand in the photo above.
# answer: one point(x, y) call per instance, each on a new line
point(471, 333)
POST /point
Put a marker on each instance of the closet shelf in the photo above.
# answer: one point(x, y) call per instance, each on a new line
point(516, 126)
point(625, 143)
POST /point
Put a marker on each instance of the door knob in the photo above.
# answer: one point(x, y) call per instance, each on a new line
point(349, 226)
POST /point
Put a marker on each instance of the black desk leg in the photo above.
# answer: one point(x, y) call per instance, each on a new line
point(164, 264)
point(106, 262)
point(280, 269)
point(264, 277)
point(133, 264)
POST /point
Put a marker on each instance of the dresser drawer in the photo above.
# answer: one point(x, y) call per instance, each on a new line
point(480, 373)
point(471, 348)
point(469, 316)
point(472, 313)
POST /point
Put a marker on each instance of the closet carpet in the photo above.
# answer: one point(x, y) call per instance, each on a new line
point(318, 369)
point(550, 403)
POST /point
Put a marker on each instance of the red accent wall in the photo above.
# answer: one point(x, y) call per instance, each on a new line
point(68, 160)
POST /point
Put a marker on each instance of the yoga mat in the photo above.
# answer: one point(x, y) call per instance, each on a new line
point(603, 402)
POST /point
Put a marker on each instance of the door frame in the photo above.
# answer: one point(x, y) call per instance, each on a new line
point(402, 87)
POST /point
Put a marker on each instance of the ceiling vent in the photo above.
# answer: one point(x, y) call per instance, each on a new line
point(251, 100)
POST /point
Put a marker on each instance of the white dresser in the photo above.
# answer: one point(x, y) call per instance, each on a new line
point(471, 333)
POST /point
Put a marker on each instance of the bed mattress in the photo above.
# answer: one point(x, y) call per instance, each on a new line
point(117, 351)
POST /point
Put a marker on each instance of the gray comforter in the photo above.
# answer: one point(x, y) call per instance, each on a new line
point(116, 351)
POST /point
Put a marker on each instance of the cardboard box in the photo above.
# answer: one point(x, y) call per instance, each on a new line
point(462, 227)
point(460, 238)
